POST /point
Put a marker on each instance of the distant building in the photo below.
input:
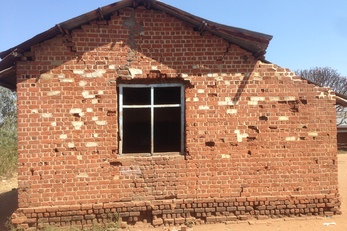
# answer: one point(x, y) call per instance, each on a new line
point(342, 136)
point(342, 129)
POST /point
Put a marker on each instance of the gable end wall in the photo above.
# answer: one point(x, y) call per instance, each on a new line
point(260, 142)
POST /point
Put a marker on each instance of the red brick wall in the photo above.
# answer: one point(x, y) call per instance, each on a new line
point(260, 142)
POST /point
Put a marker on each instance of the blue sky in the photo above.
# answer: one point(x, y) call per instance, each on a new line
point(306, 33)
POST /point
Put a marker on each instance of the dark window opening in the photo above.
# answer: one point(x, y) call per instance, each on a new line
point(167, 132)
point(151, 118)
point(136, 130)
point(167, 95)
point(136, 96)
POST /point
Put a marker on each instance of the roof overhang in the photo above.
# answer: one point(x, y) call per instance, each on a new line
point(254, 42)
point(340, 98)
point(8, 78)
point(342, 128)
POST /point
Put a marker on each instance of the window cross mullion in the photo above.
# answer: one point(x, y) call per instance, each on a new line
point(149, 106)
point(120, 116)
point(152, 120)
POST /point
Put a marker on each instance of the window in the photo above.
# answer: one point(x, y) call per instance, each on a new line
point(151, 118)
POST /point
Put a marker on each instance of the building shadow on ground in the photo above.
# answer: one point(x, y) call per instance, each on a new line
point(8, 204)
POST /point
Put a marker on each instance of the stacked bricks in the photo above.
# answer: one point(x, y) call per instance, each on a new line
point(177, 212)
point(254, 131)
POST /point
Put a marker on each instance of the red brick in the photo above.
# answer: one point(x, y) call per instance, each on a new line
point(234, 149)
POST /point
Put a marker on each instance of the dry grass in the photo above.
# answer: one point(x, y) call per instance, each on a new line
point(8, 160)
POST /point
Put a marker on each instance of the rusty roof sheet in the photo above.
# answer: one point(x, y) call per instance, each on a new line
point(249, 40)
point(341, 99)
point(254, 42)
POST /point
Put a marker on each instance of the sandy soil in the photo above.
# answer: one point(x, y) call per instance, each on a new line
point(8, 183)
point(8, 199)
point(8, 195)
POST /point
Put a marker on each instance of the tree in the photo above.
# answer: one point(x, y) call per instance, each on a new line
point(328, 77)
point(8, 131)
point(8, 109)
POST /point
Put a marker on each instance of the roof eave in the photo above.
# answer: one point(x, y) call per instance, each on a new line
point(252, 41)
point(8, 78)
point(67, 26)
point(341, 100)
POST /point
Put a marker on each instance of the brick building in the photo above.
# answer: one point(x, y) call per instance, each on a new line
point(144, 110)
point(342, 136)
point(341, 116)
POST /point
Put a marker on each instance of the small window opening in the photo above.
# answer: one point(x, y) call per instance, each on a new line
point(151, 118)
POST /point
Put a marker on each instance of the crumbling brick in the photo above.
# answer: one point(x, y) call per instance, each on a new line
point(248, 128)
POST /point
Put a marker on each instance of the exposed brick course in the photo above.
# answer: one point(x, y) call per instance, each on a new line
point(175, 212)
point(260, 142)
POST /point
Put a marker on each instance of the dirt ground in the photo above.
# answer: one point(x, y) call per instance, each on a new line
point(8, 205)
point(8, 199)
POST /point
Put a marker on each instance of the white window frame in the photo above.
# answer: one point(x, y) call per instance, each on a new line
point(152, 106)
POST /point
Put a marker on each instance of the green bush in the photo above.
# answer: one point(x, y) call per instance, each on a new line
point(8, 132)
point(8, 157)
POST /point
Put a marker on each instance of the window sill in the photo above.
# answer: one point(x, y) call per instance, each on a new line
point(117, 161)
point(125, 155)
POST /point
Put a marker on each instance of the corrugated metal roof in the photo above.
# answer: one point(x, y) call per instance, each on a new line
point(342, 128)
point(254, 42)
point(249, 40)
point(340, 98)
